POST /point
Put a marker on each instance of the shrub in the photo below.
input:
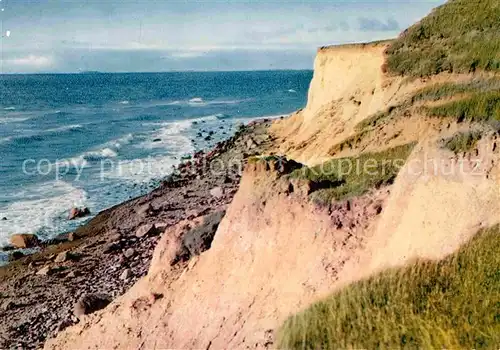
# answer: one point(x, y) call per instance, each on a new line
point(463, 141)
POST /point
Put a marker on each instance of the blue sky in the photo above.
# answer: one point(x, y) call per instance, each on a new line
point(165, 35)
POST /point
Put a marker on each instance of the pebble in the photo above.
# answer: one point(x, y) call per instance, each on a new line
point(129, 253)
point(126, 274)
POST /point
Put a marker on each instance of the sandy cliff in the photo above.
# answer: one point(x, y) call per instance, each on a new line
point(275, 251)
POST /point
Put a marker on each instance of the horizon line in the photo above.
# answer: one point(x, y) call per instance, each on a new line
point(157, 72)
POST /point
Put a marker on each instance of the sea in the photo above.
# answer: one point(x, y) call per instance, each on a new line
point(96, 139)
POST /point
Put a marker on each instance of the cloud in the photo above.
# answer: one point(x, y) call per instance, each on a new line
point(340, 26)
point(30, 61)
point(375, 25)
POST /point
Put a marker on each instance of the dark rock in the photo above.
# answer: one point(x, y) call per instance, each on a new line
point(91, 303)
point(73, 274)
point(64, 324)
point(16, 255)
point(24, 240)
point(76, 213)
point(72, 236)
point(65, 256)
point(146, 230)
point(7, 248)
point(110, 248)
point(4, 218)
point(156, 140)
point(199, 239)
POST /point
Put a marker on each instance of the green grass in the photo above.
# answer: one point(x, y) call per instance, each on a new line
point(372, 121)
point(349, 143)
point(479, 107)
point(354, 176)
point(439, 91)
point(463, 141)
point(459, 36)
point(377, 118)
point(453, 303)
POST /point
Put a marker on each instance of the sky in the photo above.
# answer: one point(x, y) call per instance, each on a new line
point(171, 35)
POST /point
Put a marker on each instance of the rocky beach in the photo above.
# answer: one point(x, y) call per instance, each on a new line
point(80, 272)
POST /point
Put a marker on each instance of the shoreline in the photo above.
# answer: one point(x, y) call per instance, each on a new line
point(9, 253)
point(109, 254)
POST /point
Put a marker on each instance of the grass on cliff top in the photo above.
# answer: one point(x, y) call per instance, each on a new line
point(449, 304)
point(463, 141)
point(459, 36)
point(342, 178)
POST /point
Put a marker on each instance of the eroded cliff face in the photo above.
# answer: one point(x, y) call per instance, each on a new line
point(275, 251)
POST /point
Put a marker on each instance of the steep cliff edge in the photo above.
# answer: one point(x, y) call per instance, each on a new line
point(349, 85)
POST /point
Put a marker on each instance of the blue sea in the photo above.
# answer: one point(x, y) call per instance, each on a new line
point(98, 139)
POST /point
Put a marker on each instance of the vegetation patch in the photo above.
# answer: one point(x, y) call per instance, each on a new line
point(349, 143)
point(453, 304)
point(439, 91)
point(479, 107)
point(459, 36)
point(377, 118)
point(463, 141)
point(354, 176)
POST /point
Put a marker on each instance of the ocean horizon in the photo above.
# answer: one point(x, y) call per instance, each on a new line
point(58, 129)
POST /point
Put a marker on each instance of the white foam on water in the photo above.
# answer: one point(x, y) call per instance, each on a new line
point(66, 128)
point(9, 109)
point(5, 139)
point(101, 154)
point(199, 102)
point(108, 150)
point(170, 137)
point(43, 206)
point(124, 102)
point(292, 91)
point(7, 120)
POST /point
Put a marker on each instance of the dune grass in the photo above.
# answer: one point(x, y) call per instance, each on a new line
point(439, 91)
point(459, 36)
point(453, 303)
point(354, 176)
point(463, 141)
point(479, 107)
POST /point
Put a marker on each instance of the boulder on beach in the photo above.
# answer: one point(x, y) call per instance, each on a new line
point(24, 240)
point(146, 230)
point(76, 213)
point(91, 303)
point(217, 192)
point(16, 255)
